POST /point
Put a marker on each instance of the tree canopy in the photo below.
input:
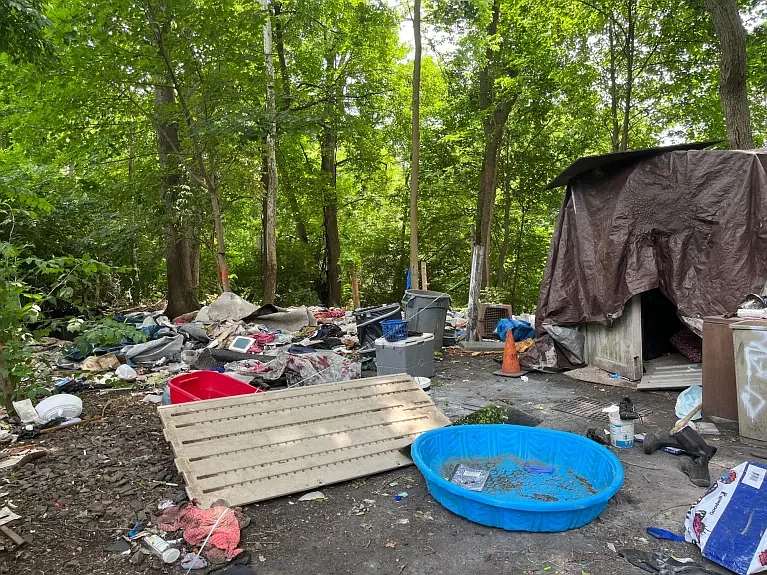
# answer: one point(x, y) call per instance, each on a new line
point(136, 135)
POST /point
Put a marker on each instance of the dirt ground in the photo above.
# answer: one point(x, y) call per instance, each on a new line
point(101, 477)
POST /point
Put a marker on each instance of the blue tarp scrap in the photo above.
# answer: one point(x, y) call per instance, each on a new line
point(520, 329)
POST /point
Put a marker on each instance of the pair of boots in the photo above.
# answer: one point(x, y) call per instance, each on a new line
point(698, 452)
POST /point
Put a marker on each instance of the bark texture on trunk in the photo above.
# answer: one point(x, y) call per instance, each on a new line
point(328, 147)
point(496, 115)
point(205, 176)
point(182, 255)
point(503, 252)
point(415, 146)
point(630, 49)
point(328, 167)
point(733, 89)
point(279, 44)
point(270, 203)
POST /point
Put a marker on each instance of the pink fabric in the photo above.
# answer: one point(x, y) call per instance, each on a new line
point(197, 523)
point(333, 313)
point(263, 338)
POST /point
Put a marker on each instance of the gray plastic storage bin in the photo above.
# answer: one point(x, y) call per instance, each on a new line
point(414, 356)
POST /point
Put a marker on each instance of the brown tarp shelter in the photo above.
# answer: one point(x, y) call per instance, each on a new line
point(691, 222)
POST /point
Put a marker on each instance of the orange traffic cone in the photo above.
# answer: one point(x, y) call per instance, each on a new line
point(510, 367)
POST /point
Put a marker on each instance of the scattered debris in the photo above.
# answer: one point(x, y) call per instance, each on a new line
point(26, 411)
point(391, 544)
point(468, 478)
point(193, 562)
point(16, 457)
point(6, 516)
point(12, 535)
point(400, 496)
point(313, 496)
point(198, 523)
point(161, 548)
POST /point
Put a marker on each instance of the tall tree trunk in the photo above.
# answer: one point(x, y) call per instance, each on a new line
point(516, 258)
point(630, 49)
point(270, 217)
point(492, 125)
point(182, 253)
point(506, 219)
point(207, 178)
point(615, 133)
point(328, 167)
point(416, 142)
point(732, 72)
point(330, 216)
point(279, 44)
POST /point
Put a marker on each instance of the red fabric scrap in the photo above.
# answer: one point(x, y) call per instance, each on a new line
point(263, 338)
point(330, 313)
point(197, 523)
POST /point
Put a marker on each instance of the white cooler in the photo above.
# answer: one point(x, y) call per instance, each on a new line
point(414, 356)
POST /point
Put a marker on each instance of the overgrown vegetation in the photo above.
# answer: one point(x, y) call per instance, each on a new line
point(133, 140)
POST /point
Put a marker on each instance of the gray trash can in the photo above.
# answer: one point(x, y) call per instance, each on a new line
point(749, 340)
point(426, 311)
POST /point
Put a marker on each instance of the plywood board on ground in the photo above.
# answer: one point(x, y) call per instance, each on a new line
point(592, 374)
point(251, 448)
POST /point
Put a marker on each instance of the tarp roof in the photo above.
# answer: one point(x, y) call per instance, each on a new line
point(588, 163)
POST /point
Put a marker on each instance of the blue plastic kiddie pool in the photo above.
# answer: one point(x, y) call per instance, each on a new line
point(539, 479)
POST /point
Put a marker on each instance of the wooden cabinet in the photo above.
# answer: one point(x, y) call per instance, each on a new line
point(720, 396)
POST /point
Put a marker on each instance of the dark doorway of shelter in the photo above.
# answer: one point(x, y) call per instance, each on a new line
point(663, 333)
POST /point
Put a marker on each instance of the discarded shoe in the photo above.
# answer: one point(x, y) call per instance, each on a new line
point(627, 409)
point(656, 562)
point(693, 444)
point(193, 562)
point(687, 439)
point(696, 468)
point(597, 435)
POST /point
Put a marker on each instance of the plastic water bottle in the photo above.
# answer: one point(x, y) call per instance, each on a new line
point(161, 548)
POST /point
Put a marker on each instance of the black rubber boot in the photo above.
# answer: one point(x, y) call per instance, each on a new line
point(693, 444)
point(653, 443)
point(627, 409)
point(696, 468)
point(687, 439)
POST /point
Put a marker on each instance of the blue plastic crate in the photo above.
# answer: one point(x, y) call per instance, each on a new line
point(394, 329)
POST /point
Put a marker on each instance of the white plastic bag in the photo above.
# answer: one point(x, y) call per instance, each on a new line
point(688, 400)
point(126, 372)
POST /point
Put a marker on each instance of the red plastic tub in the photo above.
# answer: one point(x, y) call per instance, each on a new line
point(199, 385)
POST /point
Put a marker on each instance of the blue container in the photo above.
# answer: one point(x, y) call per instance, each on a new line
point(394, 329)
point(516, 497)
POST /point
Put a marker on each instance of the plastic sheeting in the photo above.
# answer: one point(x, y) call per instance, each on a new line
point(693, 223)
point(729, 522)
point(156, 349)
point(301, 369)
point(520, 330)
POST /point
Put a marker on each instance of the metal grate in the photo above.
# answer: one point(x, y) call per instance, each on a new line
point(590, 409)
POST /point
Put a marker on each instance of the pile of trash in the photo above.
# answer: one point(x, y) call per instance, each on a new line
point(204, 538)
point(265, 346)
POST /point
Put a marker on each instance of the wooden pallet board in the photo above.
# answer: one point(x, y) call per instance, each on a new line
point(251, 448)
point(670, 372)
